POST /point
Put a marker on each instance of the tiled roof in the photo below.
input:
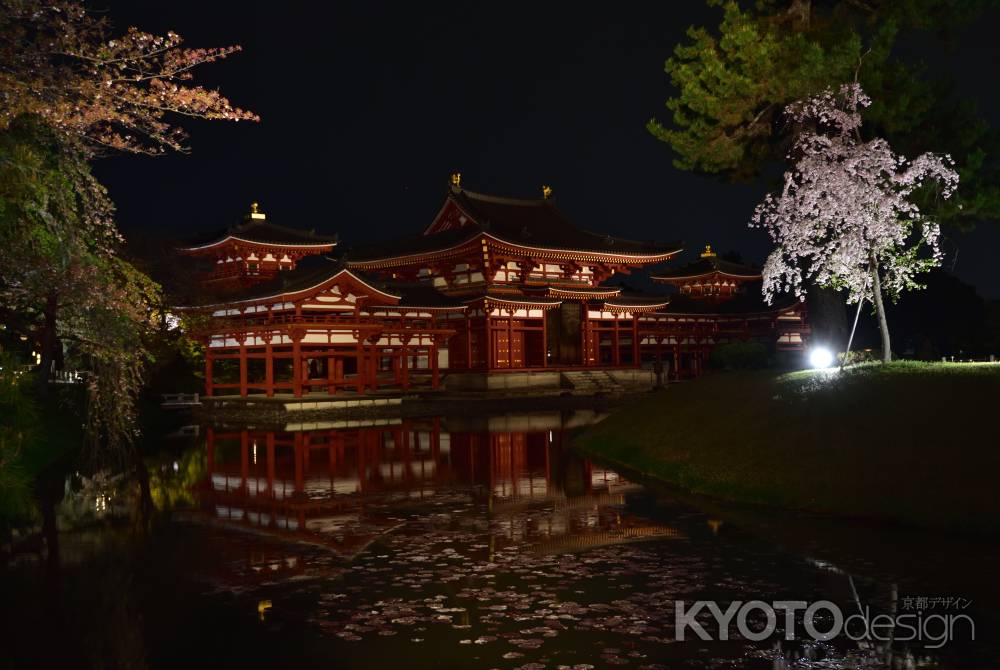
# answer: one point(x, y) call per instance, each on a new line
point(314, 270)
point(704, 266)
point(749, 301)
point(530, 223)
point(257, 230)
point(538, 223)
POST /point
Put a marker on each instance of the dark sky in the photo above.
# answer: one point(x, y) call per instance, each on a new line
point(367, 107)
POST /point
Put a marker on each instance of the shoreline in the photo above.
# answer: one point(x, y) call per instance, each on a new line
point(419, 406)
point(871, 444)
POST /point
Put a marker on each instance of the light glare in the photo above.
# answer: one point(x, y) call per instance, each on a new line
point(820, 357)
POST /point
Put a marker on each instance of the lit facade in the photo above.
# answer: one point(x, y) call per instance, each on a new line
point(492, 285)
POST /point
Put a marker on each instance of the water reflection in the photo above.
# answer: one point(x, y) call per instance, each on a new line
point(480, 542)
point(343, 488)
point(458, 542)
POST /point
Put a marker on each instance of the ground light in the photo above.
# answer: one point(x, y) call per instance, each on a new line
point(820, 357)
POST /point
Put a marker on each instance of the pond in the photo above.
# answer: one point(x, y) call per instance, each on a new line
point(461, 542)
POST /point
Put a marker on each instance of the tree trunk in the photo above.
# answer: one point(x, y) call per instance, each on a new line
point(48, 342)
point(880, 310)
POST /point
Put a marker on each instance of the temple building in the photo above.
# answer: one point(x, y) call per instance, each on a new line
point(495, 291)
point(253, 252)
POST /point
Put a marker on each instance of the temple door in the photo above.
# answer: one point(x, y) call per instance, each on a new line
point(517, 349)
point(501, 349)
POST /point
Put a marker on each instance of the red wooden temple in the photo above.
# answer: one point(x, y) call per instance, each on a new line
point(493, 285)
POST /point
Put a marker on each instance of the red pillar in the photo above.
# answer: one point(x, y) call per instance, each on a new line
point(209, 360)
point(545, 339)
point(243, 371)
point(331, 371)
point(435, 372)
point(296, 365)
point(636, 351)
point(269, 369)
point(468, 342)
point(615, 356)
point(405, 366)
point(361, 363)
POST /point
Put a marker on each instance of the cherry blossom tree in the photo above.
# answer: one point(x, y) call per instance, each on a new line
point(70, 90)
point(61, 62)
point(845, 217)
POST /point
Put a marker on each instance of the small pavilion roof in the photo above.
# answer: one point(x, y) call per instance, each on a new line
point(749, 302)
point(708, 264)
point(260, 231)
point(534, 223)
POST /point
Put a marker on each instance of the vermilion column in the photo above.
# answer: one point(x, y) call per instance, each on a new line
point(545, 339)
point(209, 361)
point(405, 364)
point(636, 351)
point(243, 371)
point(615, 357)
point(296, 365)
point(269, 369)
point(361, 364)
point(331, 371)
point(435, 372)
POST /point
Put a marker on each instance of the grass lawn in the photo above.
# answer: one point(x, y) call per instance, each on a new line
point(911, 442)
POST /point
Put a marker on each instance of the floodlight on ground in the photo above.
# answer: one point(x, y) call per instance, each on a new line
point(820, 357)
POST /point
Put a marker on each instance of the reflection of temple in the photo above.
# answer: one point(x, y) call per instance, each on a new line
point(340, 487)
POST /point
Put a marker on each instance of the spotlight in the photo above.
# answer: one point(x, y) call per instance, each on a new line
point(820, 357)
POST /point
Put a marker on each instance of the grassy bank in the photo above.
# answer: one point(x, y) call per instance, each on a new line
point(909, 442)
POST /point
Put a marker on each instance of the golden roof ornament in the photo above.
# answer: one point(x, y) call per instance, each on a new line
point(546, 191)
point(255, 212)
point(456, 179)
point(708, 253)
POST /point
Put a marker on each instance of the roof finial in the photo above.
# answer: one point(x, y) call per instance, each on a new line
point(546, 191)
point(456, 179)
point(255, 212)
point(708, 253)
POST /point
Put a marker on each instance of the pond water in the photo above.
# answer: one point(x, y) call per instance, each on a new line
point(454, 542)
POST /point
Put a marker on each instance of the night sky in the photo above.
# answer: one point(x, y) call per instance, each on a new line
point(367, 107)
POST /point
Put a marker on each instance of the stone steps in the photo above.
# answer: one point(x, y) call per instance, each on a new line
point(591, 382)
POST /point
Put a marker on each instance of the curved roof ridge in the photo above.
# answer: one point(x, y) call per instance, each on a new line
point(257, 223)
point(501, 199)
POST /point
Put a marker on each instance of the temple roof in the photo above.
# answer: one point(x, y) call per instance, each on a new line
point(410, 245)
point(312, 271)
point(261, 231)
point(415, 294)
point(709, 263)
point(749, 302)
point(537, 222)
point(532, 223)
point(519, 298)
